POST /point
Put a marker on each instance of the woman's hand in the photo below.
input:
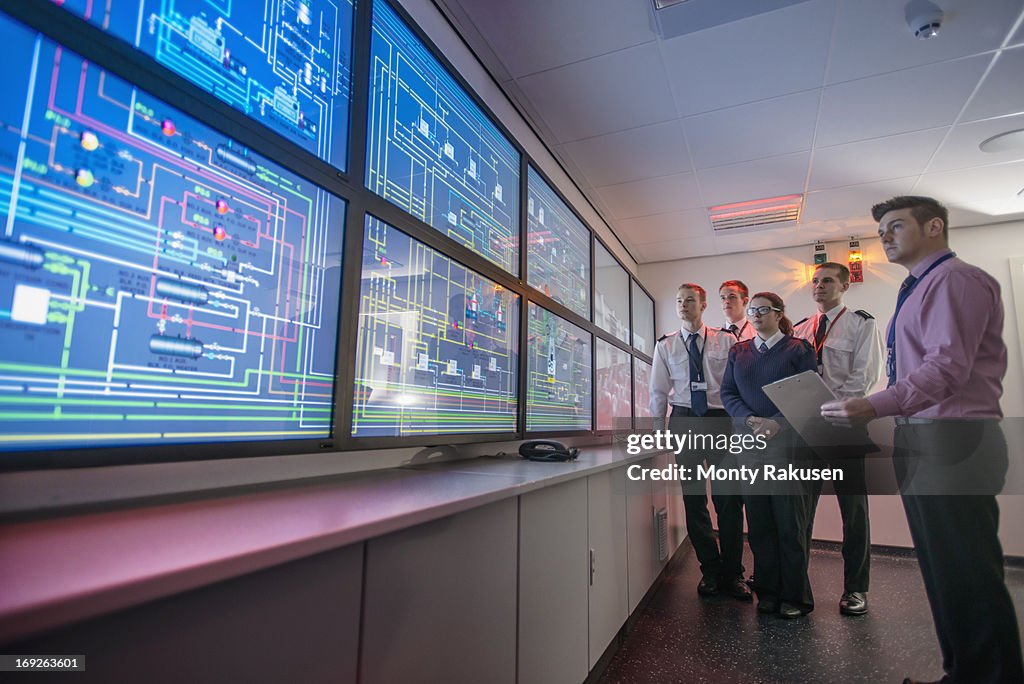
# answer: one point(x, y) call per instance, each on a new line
point(767, 427)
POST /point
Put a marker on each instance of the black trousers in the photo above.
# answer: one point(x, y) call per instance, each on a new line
point(721, 558)
point(949, 474)
point(777, 518)
point(851, 493)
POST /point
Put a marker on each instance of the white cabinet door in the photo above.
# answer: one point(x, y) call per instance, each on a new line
point(553, 578)
point(440, 600)
point(609, 589)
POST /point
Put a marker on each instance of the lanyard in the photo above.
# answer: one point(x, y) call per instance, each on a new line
point(828, 331)
point(903, 296)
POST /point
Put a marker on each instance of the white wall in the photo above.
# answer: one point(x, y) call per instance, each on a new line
point(787, 272)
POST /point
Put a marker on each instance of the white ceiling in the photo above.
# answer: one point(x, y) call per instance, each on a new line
point(832, 98)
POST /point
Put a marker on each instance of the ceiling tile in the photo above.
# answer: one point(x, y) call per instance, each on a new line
point(961, 149)
point(765, 56)
point(610, 93)
point(535, 35)
point(873, 160)
point(873, 36)
point(1018, 37)
point(987, 190)
point(861, 227)
point(645, 152)
point(762, 129)
point(1001, 92)
point(662, 227)
point(960, 217)
point(731, 242)
point(651, 196)
point(853, 202)
point(677, 249)
point(753, 180)
point(912, 100)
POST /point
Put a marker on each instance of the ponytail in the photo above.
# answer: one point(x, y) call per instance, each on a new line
point(786, 325)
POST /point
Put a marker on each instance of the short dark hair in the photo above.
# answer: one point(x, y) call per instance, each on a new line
point(923, 209)
point(738, 284)
point(844, 272)
point(696, 288)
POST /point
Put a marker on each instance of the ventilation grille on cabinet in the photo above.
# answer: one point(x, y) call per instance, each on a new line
point(761, 212)
point(661, 532)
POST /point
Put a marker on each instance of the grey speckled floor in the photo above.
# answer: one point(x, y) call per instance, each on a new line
point(680, 637)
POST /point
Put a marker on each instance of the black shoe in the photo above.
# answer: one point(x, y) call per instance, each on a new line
point(791, 611)
point(750, 582)
point(853, 603)
point(767, 606)
point(739, 590)
point(708, 587)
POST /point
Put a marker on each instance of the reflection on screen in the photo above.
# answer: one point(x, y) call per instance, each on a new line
point(286, 64)
point(558, 374)
point(558, 248)
point(613, 392)
point(611, 294)
point(643, 320)
point(642, 388)
point(158, 283)
point(437, 350)
point(433, 152)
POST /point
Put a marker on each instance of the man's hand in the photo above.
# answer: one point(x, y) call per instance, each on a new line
point(848, 412)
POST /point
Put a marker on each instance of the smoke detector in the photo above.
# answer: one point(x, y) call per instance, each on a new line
point(924, 18)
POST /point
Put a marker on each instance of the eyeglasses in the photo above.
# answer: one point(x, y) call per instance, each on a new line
point(762, 310)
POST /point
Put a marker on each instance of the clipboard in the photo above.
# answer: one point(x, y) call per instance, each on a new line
point(799, 398)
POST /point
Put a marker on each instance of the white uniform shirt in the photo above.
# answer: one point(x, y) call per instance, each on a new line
point(671, 372)
point(851, 357)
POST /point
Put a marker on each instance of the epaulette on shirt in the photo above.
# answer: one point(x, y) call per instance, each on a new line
point(664, 336)
point(801, 321)
point(863, 314)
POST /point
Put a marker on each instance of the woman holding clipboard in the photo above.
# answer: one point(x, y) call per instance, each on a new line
point(777, 512)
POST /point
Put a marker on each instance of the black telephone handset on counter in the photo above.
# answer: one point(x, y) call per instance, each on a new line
point(547, 450)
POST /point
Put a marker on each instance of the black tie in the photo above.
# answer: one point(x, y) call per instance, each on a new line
point(698, 398)
point(734, 330)
point(905, 288)
point(763, 348)
point(819, 335)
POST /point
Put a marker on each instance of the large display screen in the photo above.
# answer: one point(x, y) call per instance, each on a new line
point(158, 282)
point(643, 320)
point(433, 152)
point(558, 248)
point(611, 294)
point(286, 63)
point(438, 344)
point(614, 394)
point(642, 388)
point(558, 381)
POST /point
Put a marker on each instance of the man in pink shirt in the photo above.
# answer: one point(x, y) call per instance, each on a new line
point(946, 362)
